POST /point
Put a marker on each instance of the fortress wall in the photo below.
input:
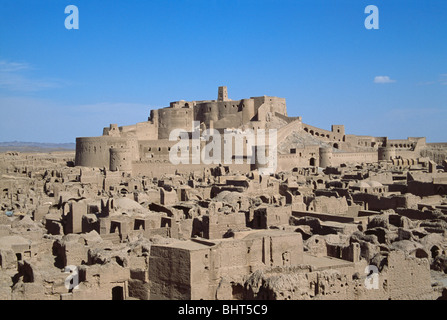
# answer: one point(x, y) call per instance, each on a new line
point(146, 131)
point(401, 144)
point(278, 105)
point(325, 157)
point(284, 131)
point(286, 118)
point(206, 112)
point(270, 104)
point(255, 125)
point(407, 154)
point(248, 110)
point(304, 157)
point(365, 141)
point(94, 151)
point(261, 111)
point(344, 157)
point(142, 131)
point(155, 149)
point(158, 151)
point(388, 153)
point(120, 159)
point(265, 105)
point(410, 144)
point(148, 168)
point(224, 114)
point(323, 134)
point(174, 118)
point(441, 145)
point(435, 151)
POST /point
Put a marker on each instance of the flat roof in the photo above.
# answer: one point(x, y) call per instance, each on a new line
point(322, 263)
point(186, 245)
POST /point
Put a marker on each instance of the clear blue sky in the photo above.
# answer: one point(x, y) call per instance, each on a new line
point(128, 57)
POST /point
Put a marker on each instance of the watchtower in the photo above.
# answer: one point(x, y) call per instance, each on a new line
point(222, 94)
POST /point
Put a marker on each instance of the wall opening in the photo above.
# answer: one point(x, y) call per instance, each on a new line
point(421, 254)
point(237, 291)
point(138, 225)
point(117, 293)
point(434, 251)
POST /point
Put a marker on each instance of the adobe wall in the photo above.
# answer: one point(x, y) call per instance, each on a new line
point(174, 118)
point(147, 130)
point(216, 225)
point(236, 258)
point(169, 280)
point(403, 278)
point(266, 104)
point(407, 149)
point(203, 282)
point(339, 158)
point(378, 202)
point(283, 132)
point(408, 278)
point(94, 151)
point(142, 130)
point(386, 153)
point(267, 216)
point(331, 205)
point(120, 159)
point(304, 157)
point(336, 136)
point(365, 141)
point(194, 270)
point(224, 114)
point(149, 168)
point(155, 150)
point(436, 152)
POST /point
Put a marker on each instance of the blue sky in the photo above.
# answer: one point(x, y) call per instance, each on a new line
point(128, 57)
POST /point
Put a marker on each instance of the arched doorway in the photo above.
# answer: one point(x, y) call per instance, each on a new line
point(435, 251)
point(117, 293)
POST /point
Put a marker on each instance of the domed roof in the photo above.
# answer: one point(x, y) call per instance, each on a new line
point(375, 184)
point(361, 184)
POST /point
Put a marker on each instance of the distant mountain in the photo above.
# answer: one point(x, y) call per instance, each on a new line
point(21, 146)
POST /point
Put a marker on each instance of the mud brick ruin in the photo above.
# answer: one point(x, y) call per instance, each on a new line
point(342, 217)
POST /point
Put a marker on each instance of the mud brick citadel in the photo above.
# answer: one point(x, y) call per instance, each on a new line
point(144, 148)
point(341, 217)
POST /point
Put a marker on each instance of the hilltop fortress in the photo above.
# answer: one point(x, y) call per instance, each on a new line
point(144, 148)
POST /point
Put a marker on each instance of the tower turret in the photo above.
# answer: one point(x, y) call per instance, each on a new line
point(222, 94)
